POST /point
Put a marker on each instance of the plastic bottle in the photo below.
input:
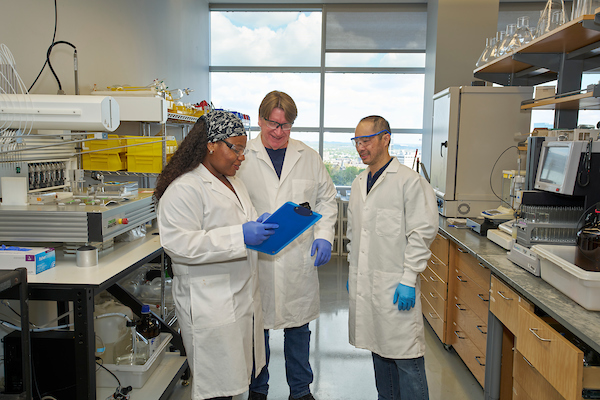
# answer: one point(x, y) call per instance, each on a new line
point(112, 330)
point(149, 328)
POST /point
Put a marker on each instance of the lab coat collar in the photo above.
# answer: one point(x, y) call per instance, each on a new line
point(220, 187)
point(292, 155)
point(362, 178)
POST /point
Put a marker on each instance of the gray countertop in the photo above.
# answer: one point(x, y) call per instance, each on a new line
point(582, 323)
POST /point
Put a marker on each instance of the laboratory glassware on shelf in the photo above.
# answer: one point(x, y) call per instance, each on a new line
point(484, 57)
point(523, 32)
point(584, 7)
point(508, 43)
point(552, 16)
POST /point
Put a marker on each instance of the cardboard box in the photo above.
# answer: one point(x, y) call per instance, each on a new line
point(35, 259)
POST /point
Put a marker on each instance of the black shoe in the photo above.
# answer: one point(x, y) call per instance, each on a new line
point(257, 396)
point(305, 397)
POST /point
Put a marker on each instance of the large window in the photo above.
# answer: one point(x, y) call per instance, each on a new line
point(371, 60)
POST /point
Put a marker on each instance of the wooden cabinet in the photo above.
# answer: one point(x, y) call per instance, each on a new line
point(504, 304)
point(434, 287)
point(468, 293)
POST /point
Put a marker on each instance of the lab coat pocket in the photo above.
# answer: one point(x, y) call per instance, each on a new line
point(304, 190)
point(388, 222)
point(212, 301)
point(382, 292)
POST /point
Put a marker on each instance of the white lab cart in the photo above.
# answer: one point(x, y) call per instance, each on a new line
point(472, 126)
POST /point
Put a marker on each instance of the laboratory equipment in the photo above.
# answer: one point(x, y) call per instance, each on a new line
point(484, 57)
point(110, 325)
point(77, 222)
point(523, 32)
point(587, 255)
point(149, 328)
point(551, 16)
point(472, 126)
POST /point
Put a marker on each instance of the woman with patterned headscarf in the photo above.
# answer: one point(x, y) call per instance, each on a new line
point(206, 218)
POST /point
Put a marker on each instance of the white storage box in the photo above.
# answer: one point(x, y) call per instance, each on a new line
point(133, 375)
point(557, 268)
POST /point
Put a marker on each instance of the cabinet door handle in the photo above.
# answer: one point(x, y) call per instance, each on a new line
point(527, 361)
point(483, 266)
point(433, 295)
point(433, 316)
point(458, 306)
point(534, 330)
point(432, 279)
point(458, 336)
point(461, 250)
point(479, 329)
point(459, 278)
point(481, 297)
point(433, 262)
point(479, 362)
point(503, 296)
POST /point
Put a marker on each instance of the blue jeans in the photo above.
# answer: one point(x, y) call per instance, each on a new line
point(400, 379)
point(296, 349)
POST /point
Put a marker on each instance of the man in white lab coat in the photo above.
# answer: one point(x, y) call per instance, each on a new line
point(392, 220)
point(277, 170)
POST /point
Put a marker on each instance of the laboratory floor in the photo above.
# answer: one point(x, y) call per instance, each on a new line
point(342, 372)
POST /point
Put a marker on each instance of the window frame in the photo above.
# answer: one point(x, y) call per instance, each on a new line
point(322, 70)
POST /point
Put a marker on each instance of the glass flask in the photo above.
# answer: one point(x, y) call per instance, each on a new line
point(523, 32)
point(491, 55)
point(484, 57)
point(505, 46)
point(556, 20)
point(584, 7)
point(547, 16)
point(495, 53)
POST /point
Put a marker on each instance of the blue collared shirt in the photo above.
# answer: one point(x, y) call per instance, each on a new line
point(372, 179)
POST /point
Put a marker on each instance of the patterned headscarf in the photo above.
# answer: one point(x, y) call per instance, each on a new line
point(222, 125)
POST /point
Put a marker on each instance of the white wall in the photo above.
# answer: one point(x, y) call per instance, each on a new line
point(119, 42)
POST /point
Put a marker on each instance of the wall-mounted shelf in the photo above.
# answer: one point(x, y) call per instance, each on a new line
point(540, 60)
point(574, 102)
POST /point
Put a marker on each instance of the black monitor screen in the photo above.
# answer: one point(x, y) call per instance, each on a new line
point(553, 169)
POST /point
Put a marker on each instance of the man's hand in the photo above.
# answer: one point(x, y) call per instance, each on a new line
point(405, 297)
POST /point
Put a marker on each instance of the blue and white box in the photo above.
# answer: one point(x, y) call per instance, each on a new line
point(35, 259)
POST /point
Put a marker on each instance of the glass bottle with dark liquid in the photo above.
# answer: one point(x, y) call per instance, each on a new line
point(587, 256)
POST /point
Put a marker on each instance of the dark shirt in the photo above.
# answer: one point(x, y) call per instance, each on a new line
point(277, 157)
point(372, 179)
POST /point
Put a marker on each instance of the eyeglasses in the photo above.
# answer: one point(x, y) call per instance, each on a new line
point(238, 150)
point(274, 125)
point(365, 140)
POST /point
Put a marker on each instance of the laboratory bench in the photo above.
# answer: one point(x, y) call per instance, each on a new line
point(471, 260)
point(67, 283)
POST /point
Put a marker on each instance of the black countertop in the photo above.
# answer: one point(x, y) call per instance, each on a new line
point(582, 323)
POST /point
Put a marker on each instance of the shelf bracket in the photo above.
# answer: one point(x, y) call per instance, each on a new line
point(589, 51)
point(593, 24)
point(543, 61)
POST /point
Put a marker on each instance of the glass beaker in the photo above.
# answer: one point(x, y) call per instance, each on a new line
point(492, 55)
point(523, 32)
point(484, 57)
point(556, 20)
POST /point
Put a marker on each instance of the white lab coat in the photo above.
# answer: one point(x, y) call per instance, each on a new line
point(289, 282)
point(390, 231)
point(215, 286)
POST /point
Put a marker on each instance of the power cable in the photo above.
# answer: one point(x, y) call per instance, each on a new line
point(53, 38)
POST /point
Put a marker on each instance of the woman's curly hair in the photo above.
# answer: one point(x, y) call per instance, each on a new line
point(190, 153)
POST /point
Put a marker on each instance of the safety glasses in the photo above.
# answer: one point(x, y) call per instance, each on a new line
point(365, 140)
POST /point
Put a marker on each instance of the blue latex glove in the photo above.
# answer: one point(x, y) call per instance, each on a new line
point(347, 290)
point(405, 297)
point(255, 232)
point(263, 217)
point(323, 249)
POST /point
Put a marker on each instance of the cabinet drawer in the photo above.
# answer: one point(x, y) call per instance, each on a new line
point(436, 322)
point(504, 304)
point(439, 248)
point(476, 297)
point(436, 282)
point(470, 354)
point(438, 267)
point(473, 326)
point(555, 358)
point(433, 297)
point(531, 381)
point(518, 392)
point(470, 266)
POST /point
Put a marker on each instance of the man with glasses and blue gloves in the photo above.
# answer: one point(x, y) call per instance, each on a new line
point(392, 220)
point(279, 169)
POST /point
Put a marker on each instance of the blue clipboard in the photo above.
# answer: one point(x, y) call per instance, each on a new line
point(293, 220)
